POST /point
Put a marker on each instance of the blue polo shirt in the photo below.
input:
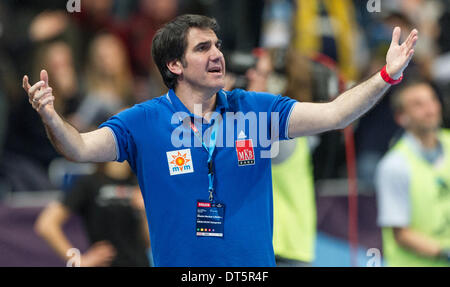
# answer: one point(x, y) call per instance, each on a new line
point(171, 166)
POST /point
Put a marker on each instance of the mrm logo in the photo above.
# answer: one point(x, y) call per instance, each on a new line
point(180, 161)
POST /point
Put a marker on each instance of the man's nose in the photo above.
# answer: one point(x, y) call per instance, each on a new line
point(216, 54)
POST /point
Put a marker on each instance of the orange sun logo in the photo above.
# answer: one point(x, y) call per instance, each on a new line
point(180, 160)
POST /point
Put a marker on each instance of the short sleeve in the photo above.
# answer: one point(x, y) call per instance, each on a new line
point(283, 106)
point(279, 108)
point(123, 125)
point(392, 185)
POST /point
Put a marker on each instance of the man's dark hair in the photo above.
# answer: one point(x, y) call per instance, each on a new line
point(170, 42)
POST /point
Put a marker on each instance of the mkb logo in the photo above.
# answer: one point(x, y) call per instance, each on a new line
point(245, 152)
point(180, 161)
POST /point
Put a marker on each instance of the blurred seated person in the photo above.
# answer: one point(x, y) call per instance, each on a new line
point(413, 183)
point(28, 153)
point(107, 83)
point(111, 207)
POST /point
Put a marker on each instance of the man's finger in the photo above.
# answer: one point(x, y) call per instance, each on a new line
point(45, 101)
point(41, 93)
point(35, 87)
point(410, 54)
point(44, 77)
point(396, 36)
point(25, 84)
point(413, 42)
point(410, 40)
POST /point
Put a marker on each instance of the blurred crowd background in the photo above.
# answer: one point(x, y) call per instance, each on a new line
point(99, 62)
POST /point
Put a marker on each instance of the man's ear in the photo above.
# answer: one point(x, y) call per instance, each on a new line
point(175, 67)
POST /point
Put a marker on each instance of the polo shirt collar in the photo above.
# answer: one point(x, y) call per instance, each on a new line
point(221, 103)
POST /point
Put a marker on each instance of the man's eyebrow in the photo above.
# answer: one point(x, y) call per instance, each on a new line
point(203, 43)
point(208, 42)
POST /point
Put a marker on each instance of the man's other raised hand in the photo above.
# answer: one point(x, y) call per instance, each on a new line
point(40, 95)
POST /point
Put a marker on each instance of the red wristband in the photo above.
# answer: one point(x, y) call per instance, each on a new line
point(384, 74)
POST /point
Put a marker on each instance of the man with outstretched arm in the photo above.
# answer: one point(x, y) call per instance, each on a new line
point(207, 204)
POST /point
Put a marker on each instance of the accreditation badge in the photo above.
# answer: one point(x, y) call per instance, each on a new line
point(210, 219)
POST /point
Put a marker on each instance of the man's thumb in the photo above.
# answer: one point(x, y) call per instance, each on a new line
point(44, 77)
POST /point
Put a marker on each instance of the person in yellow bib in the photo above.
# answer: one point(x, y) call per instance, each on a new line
point(294, 204)
point(413, 183)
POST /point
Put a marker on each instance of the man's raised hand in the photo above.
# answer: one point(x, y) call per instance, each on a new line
point(40, 94)
point(398, 56)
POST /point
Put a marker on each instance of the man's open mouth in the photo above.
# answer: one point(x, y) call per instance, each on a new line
point(215, 70)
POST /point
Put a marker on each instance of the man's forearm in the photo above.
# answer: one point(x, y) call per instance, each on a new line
point(312, 118)
point(95, 146)
point(358, 100)
point(65, 138)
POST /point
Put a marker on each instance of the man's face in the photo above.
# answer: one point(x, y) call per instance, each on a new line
point(203, 64)
point(421, 109)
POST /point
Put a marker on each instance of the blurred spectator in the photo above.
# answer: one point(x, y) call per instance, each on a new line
point(3, 119)
point(440, 68)
point(95, 17)
point(375, 130)
point(56, 26)
point(138, 34)
point(4, 109)
point(140, 29)
point(28, 151)
point(112, 209)
point(313, 76)
point(57, 58)
point(413, 181)
point(423, 15)
point(277, 23)
point(108, 82)
point(48, 24)
point(294, 233)
point(240, 21)
point(3, 75)
point(329, 27)
point(444, 22)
